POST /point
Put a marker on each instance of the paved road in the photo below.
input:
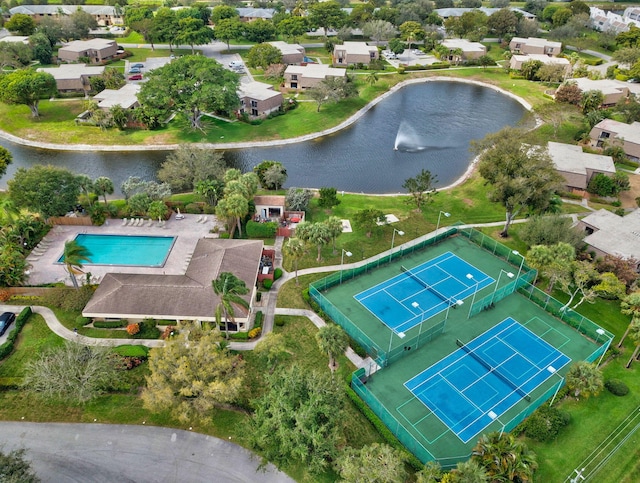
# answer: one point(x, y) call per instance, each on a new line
point(97, 453)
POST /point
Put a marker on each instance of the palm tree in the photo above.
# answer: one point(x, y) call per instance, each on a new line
point(371, 78)
point(295, 248)
point(333, 341)
point(584, 378)
point(8, 211)
point(504, 458)
point(103, 186)
point(73, 256)
point(233, 208)
point(630, 305)
point(634, 332)
point(229, 288)
point(334, 224)
point(470, 472)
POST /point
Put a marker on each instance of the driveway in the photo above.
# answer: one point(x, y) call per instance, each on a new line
point(108, 453)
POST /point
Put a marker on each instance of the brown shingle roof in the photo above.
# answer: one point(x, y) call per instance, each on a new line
point(188, 296)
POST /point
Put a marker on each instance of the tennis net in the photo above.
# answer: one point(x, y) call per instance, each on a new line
point(426, 285)
point(492, 369)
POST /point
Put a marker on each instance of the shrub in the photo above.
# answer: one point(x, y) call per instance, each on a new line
point(4, 295)
point(277, 273)
point(148, 330)
point(67, 298)
point(257, 321)
point(261, 230)
point(545, 423)
point(193, 208)
point(267, 283)
point(255, 332)
point(280, 321)
point(168, 331)
point(82, 321)
point(110, 324)
point(239, 336)
point(258, 296)
point(133, 329)
point(357, 348)
point(617, 387)
point(21, 319)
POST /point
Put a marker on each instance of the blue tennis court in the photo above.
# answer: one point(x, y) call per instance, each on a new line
point(480, 381)
point(416, 294)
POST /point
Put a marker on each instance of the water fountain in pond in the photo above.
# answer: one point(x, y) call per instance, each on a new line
point(408, 140)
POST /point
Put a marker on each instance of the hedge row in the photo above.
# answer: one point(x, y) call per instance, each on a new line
point(131, 350)
point(110, 324)
point(257, 322)
point(386, 434)
point(21, 319)
point(261, 230)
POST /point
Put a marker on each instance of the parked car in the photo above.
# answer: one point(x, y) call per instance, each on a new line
point(135, 77)
point(5, 321)
point(137, 66)
point(235, 64)
point(134, 70)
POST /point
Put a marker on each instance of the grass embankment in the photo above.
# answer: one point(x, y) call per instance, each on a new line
point(125, 406)
point(57, 125)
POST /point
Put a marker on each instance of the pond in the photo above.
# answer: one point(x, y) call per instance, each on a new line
point(421, 126)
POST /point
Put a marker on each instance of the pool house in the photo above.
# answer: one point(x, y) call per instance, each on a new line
point(189, 296)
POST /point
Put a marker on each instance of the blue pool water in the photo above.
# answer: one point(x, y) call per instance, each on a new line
point(140, 251)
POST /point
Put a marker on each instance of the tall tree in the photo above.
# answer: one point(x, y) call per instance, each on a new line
point(369, 219)
point(185, 167)
point(293, 27)
point(21, 24)
point(522, 176)
point(103, 186)
point(333, 341)
point(432, 472)
point(72, 372)
point(275, 176)
point(73, 256)
point(372, 463)
point(505, 458)
point(634, 332)
point(585, 379)
point(192, 374)
point(232, 208)
point(298, 419)
point(317, 234)
point(581, 282)
point(334, 225)
point(48, 190)
point(263, 55)
point(630, 305)
point(228, 29)
point(271, 349)
point(193, 31)
point(229, 290)
point(295, 248)
point(191, 85)
point(411, 32)
point(6, 158)
point(211, 189)
point(554, 262)
point(327, 15)
point(502, 22)
point(27, 87)
point(378, 30)
point(421, 188)
point(469, 472)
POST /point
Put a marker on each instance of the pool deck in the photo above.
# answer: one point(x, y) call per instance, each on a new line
point(46, 269)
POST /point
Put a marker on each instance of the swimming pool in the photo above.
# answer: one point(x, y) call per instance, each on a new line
point(134, 250)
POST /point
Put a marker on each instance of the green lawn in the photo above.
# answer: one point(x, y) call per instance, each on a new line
point(125, 406)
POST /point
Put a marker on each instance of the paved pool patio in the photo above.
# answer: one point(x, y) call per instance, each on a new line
point(188, 230)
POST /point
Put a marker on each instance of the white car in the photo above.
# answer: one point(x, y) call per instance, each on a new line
point(236, 64)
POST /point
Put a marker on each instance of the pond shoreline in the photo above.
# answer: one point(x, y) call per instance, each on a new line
point(280, 142)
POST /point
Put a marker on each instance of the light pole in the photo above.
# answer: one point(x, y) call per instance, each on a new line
point(347, 253)
point(401, 335)
point(509, 274)
point(447, 215)
point(516, 252)
point(473, 299)
point(393, 237)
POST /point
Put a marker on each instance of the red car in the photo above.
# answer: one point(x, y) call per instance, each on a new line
point(135, 77)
